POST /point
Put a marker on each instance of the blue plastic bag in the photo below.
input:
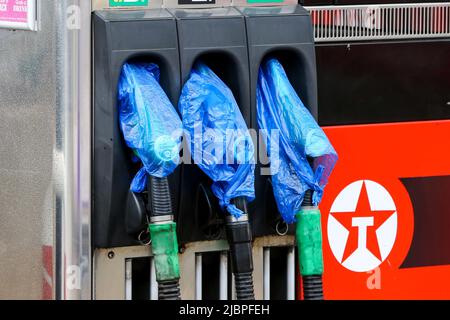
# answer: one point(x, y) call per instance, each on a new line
point(219, 141)
point(149, 122)
point(300, 138)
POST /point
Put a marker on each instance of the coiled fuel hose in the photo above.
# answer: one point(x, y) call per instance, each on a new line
point(240, 240)
point(164, 240)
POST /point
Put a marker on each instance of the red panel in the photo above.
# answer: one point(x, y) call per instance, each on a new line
point(384, 154)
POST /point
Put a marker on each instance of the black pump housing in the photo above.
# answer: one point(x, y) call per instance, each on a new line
point(121, 36)
point(217, 37)
point(285, 33)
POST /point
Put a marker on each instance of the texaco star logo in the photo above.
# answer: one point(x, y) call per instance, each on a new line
point(362, 225)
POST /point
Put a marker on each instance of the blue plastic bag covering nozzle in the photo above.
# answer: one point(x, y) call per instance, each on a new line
point(220, 143)
point(299, 138)
point(149, 122)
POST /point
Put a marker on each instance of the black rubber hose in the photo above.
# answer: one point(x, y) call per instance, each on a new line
point(307, 199)
point(161, 201)
point(240, 240)
point(169, 290)
point(244, 286)
point(312, 287)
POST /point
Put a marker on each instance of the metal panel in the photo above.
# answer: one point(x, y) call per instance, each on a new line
point(111, 272)
point(73, 142)
point(45, 155)
point(261, 262)
point(27, 129)
point(380, 22)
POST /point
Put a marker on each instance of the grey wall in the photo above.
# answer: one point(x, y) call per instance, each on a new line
point(44, 159)
point(27, 142)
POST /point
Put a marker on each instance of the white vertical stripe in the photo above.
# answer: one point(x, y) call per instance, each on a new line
point(266, 274)
point(290, 294)
point(153, 282)
point(198, 276)
point(223, 276)
point(128, 279)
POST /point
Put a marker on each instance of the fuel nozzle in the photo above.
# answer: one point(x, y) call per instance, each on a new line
point(206, 103)
point(304, 162)
point(162, 230)
point(309, 243)
point(239, 236)
point(152, 130)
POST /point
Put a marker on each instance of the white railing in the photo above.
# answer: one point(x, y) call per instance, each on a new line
point(380, 22)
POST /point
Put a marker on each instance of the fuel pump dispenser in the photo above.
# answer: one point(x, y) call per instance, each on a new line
point(217, 37)
point(300, 168)
point(269, 36)
point(152, 129)
point(121, 37)
point(111, 213)
point(222, 147)
point(226, 42)
point(284, 32)
point(137, 81)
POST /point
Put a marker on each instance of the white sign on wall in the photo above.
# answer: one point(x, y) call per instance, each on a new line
point(18, 14)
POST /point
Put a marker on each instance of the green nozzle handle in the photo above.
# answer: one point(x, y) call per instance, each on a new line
point(165, 251)
point(309, 241)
